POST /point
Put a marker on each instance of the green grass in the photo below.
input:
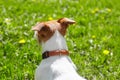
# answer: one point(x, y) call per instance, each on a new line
point(97, 29)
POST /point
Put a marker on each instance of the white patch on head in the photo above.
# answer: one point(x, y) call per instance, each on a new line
point(35, 35)
point(56, 42)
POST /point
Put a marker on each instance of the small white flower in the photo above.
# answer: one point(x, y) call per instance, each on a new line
point(90, 41)
point(7, 21)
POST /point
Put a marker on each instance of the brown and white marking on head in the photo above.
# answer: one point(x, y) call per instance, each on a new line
point(51, 33)
point(45, 30)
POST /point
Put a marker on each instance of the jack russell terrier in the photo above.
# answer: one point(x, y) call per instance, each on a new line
point(56, 64)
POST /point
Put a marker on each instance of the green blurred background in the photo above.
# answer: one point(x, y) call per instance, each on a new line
point(94, 41)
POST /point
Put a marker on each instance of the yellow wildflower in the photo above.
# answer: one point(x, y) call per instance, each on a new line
point(34, 0)
point(22, 41)
point(106, 52)
point(95, 10)
point(104, 38)
point(93, 36)
point(50, 18)
point(109, 10)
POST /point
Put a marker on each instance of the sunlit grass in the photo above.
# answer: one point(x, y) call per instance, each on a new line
point(94, 41)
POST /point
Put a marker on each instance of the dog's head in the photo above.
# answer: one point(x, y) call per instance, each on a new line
point(45, 30)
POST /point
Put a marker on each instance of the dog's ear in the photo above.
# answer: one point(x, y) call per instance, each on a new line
point(66, 21)
point(38, 27)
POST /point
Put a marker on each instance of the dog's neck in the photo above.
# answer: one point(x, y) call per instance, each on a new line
point(56, 42)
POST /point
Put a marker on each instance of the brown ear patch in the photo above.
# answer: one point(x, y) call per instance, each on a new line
point(44, 33)
point(66, 21)
point(38, 26)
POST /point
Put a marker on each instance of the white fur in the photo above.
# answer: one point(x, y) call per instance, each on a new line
point(56, 67)
point(56, 42)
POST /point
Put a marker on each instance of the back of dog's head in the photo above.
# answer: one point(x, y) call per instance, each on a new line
point(45, 30)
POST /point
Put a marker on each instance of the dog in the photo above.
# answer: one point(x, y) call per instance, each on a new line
point(56, 63)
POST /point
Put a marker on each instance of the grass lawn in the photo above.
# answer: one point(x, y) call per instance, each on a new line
point(94, 41)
